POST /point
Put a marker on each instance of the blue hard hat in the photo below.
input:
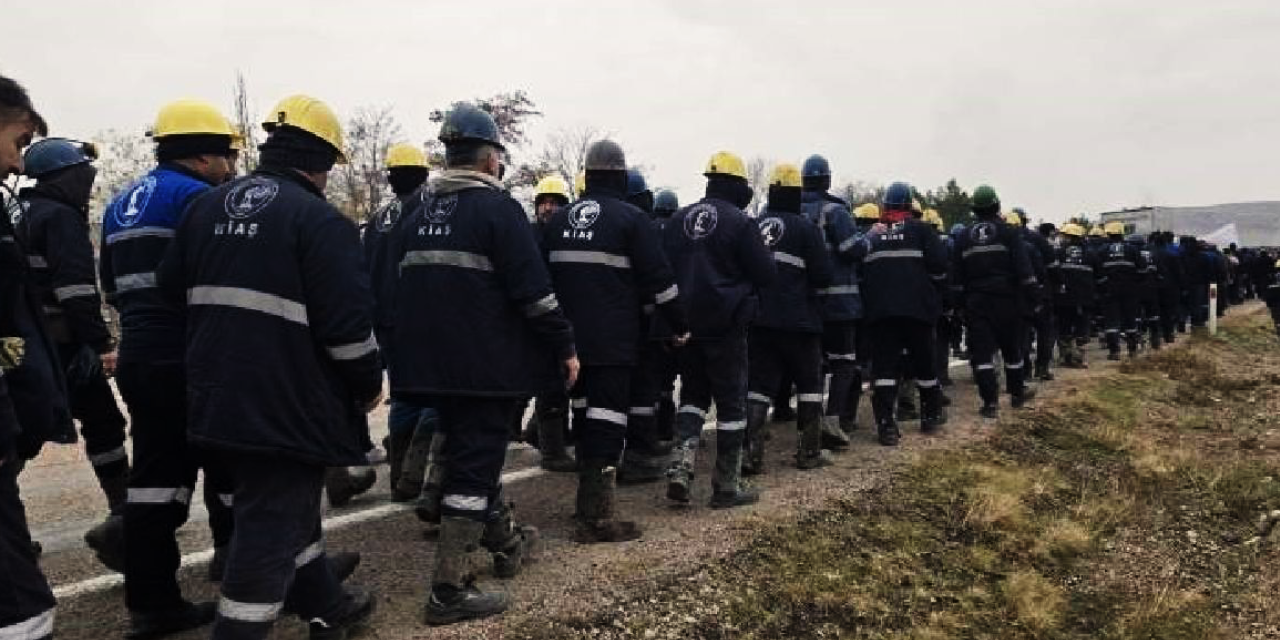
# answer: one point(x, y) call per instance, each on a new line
point(898, 197)
point(53, 154)
point(815, 166)
point(635, 183)
point(665, 201)
point(466, 122)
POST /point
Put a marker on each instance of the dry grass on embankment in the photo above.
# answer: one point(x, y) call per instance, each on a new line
point(1126, 509)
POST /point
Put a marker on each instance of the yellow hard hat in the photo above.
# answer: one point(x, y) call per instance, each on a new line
point(190, 117)
point(1072, 229)
point(917, 207)
point(552, 185)
point(310, 115)
point(580, 182)
point(785, 175)
point(1278, 264)
point(931, 216)
point(405, 155)
point(724, 163)
point(1096, 231)
point(868, 211)
point(1114, 228)
point(1012, 218)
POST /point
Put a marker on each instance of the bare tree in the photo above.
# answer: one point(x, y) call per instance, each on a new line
point(246, 124)
point(565, 151)
point(123, 158)
point(758, 178)
point(861, 192)
point(359, 187)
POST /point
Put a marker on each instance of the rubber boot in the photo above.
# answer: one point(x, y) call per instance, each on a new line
point(1131, 338)
point(782, 411)
point(454, 597)
point(106, 539)
point(511, 544)
point(809, 454)
point(726, 485)
point(427, 506)
point(597, 502)
point(552, 426)
point(416, 457)
point(933, 412)
point(757, 429)
point(680, 475)
point(397, 445)
point(882, 403)
point(834, 437)
point(1019, 392)
point(341, 484)
point(907, 410)
point(357, 607)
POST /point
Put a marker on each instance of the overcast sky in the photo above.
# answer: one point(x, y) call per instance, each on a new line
point(1065, 106)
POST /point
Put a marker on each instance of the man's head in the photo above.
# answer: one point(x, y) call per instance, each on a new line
point(406, 169)
point(19, 123)
point(897, 203)
point(551, 193)
point(472, 140)
point(727, 179)
point(304, 135)
point(605, 167)
point(985, 202)
point(665, 203)
point(816, 174)
point(195, 135)
point(785, 188)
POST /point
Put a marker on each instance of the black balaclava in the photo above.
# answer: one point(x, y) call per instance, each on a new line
point(171, 148)
point(406, 180)
point(71, 186)
point(785, 199)
point(292, 148)
point(731, 189)
point(607, 182)
point(820, 184)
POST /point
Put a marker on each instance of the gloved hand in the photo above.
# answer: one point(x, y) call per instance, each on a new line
point(84, 366)
point(12, 352)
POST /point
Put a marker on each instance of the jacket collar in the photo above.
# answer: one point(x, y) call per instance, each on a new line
point(455, 180)
point(291, 175)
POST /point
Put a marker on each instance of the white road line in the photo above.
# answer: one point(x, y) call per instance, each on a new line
point(111, 580)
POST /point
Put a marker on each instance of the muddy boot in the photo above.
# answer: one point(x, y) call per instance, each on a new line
point(167, 622)
point(511, 544)
point(933, 413)
point(427, 507)
point(397, 445)
point(596, 504)
point(907, 410)
point(357, 607)
point(833, 436)
point(552, 425)
point(1043, 373)
point(680, 474)
point(726, 482)
point(106, 539)
point(809, 454)
point(422, 445)
point(1021, 396)
point(882, 404)
point(454, 597)
point(341, 484)
point(641, 468)
point(757, 428)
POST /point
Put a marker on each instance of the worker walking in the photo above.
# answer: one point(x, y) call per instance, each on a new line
point(1074, 295)
point(1120, 277)
point(194, 147)
point(720, 264)
point(992, 274)
point(903, 268)
point(282, 367)
point(54, 231)
point(606, 263)
point(466, 239)
point(786, 337)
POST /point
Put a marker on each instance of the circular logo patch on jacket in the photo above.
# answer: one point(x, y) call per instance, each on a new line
point(700, 221)
point(440, 210)
point(771, 230)
point(983, 233)
point(584, 214)
point(250, 197)
point(135, 202)
point(388, 216)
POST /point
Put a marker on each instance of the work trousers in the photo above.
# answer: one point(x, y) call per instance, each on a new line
point(1073, 324)
point(643, 436)
point(600, 401)
point(774, 354)
point(841, 352)
point(161, 484)
point(101, 423)
point(476, 432)
point(26, 602)
point(1120, 311)
point(714, 369)
point(277, 558)
point(902, 347)
point(995, 323)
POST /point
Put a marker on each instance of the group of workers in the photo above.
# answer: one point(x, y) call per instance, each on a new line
point(257, 322)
